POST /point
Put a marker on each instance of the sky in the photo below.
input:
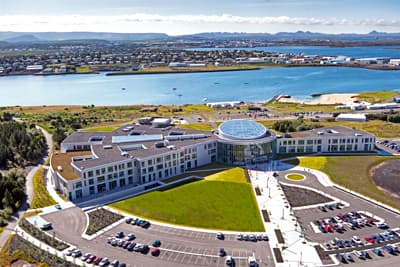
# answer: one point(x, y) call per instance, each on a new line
point(176, 17)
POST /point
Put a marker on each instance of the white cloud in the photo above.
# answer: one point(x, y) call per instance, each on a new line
point(75, 22)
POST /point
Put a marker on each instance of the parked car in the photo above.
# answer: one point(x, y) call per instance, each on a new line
point(119, 234)
point(265, 237)
point(97, 260)
point(156, 243)
point(130, 237)
point(348, 256)
point(145, 249)
point(131, 246)
point(220, 236)
point(239, 237)
point(155, 252)
point(252, 261)
point(359, 254)
point(129, 220)
point(104, 262)
point(221, 252)
point(229, 260)
point(58, 206)
point(91, 259)
point(114, 263)
point(382, 225)
point(86, 256)
point(378, 251)
point(76, 253)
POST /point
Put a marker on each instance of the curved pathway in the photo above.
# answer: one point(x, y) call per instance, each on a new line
point(28, 190)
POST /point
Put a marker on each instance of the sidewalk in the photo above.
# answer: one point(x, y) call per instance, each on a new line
point(295, 249)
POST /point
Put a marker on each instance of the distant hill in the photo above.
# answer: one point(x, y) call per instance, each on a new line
point(22, 38)
point(60, 36)
point(374, 36)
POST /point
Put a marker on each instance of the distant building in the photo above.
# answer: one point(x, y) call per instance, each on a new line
point(227, 104)
point(351, 117)
point(34, 67)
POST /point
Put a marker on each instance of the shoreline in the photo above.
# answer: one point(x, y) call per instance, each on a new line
point(324, 99)
point(256, 67)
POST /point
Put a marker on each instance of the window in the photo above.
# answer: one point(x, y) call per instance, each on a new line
point(100, 179)
point(90, 174)
point(110, 169)
point(129, 164)
point(309, 142)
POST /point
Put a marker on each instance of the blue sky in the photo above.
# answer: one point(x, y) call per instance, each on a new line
point(188, 16)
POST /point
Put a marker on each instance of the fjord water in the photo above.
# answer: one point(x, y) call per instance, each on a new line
point(355, 52)
point(258, 85)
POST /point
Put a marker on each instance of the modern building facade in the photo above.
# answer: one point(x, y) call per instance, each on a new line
point(142, 155)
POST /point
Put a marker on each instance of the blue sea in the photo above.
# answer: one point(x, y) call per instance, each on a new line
point(258, 85)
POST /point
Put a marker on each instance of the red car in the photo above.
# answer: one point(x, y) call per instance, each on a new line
point(90, 259)
point(97, 260)
point(328, 228)
point(155, 251)
point(369, 240)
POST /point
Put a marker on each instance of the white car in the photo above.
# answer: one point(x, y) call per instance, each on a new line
point(252, 261)
point(229, 260)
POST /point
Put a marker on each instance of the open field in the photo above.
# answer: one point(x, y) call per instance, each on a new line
point(386, 175)
point(197, 126)
point(298, 107)
point(108, 128)
point(215, 204)
point(41, 197)
point(352, 172)
point(377, 96)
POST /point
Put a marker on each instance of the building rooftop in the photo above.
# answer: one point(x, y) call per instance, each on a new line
point(337, 131)
point(62, 163)
point(242, 130)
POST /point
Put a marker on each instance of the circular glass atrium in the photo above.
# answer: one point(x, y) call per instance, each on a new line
point(241, 130)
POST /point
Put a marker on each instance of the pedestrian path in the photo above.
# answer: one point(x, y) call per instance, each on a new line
point(295, 249)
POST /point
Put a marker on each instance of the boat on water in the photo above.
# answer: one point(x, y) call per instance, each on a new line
point(180, 95)
point(316, 95)
point(174, 88)
point(246, 83)
point(123, 88)
point(216, 82)
point(205, 99)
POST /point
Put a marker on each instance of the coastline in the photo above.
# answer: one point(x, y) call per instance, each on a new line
point(179, 71)
point(324, 99)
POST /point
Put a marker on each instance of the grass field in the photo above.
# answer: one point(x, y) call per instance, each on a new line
point(352, 172)
point(377, 96)
point(298, 107)
point(212, 204)
point(108, 128)
point(197, 126)
point(236, 175)
point(295, 177)
point(41, 197)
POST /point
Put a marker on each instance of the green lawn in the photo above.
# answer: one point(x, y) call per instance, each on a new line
point(295, 177)
point(377, 96)
point(108, 128)
point(196, 126)
point(41, 197)
point(352, 172)
point(236, 175)
point(212, 204)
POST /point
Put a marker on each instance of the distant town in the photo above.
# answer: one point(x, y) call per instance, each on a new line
point(76, 59)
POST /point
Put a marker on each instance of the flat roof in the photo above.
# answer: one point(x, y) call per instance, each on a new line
point(242, 130)
point(330, 131)
point(64, 161)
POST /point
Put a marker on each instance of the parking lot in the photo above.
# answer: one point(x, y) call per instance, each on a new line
point(307, 217)
point(179, 247)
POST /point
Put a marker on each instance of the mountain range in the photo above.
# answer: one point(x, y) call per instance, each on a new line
point(17, 37)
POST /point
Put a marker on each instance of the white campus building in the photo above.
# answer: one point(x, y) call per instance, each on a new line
point(92, 163)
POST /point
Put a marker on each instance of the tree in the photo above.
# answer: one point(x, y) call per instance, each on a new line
point(8, 200)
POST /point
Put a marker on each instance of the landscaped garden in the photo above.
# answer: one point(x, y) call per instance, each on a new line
point(298, 197)
point(221, 201)
point(101, 218)
point(41, 198)
point(295, 177)
point(352, 172)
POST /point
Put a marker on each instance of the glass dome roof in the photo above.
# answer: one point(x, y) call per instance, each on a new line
point(242, 130)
